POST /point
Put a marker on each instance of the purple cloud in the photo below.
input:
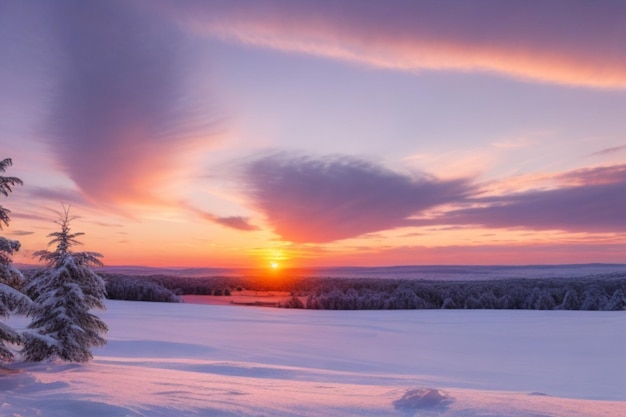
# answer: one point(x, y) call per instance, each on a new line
point(20, 233)
point(31, 216)
point(593, 200)
point(236, 222)
point(567, 42)
point(117, 119)
point(596, 175)
point(58, 195)
point(308, 199)
point(111, 225)
point(609, 151)
point(232, 222)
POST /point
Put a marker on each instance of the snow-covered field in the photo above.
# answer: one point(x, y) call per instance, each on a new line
point(211, 360)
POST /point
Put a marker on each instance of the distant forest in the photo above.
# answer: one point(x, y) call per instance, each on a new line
point(599, 292)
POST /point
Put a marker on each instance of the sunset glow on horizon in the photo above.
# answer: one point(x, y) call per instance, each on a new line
point(278, 134)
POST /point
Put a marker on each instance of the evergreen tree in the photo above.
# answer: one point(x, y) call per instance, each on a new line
point(8, 274)
point(64, 293)
point(11, 299)
point(6, 186)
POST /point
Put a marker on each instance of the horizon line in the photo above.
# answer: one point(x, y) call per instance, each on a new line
point(346, 266)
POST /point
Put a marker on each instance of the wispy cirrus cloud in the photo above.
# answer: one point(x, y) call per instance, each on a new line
point(59, 195)
point(609, 151)
point(613, 174)
point(20, 233)
point(565, 42)
point(119, 117)
point(586, 200)
point(236, 222)
point(31, 216)
point(309, 199)
point(108, 225)
point(233, 222)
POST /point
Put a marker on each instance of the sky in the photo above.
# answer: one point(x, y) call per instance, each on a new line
point(186, 133)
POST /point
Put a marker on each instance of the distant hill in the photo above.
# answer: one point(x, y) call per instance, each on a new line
point(428, 272)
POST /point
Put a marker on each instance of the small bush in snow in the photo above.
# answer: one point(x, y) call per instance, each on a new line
point(293, 302)
point(423, 399)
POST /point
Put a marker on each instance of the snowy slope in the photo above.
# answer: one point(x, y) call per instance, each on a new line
point(199, 360)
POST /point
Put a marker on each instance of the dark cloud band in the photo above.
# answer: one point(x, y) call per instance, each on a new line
point(308, 199)
point(591, 200)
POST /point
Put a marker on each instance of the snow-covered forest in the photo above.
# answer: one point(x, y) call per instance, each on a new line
point(596, 292)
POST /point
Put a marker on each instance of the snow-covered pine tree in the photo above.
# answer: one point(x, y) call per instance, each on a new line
point(64, 293)
point(6, 186)
point(11, 299)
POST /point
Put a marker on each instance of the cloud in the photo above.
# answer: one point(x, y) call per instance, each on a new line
point(590, 176)
point(591, 200)
point(609, 151)
point(32, 216)
point(109, 225)
point(236, 222)
point(119, 116)
point(20, 233)
point(232, 222)
point(58, 195)
point(565, 42)
point(307, 199)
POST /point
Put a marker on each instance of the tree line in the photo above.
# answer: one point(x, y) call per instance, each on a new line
point(597, 292)
point(590, 293)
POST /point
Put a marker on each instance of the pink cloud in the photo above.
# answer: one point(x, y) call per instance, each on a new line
point(609, 151)
point(563, 42)
point(317, 200)
point(233, 222)
point(117, 120)
point(308, 199)
point(587, 200)
point(614, 174)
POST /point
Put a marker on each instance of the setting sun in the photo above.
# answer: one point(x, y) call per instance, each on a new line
point(274, 265)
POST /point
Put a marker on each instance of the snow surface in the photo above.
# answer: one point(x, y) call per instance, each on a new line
point(211, 360)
